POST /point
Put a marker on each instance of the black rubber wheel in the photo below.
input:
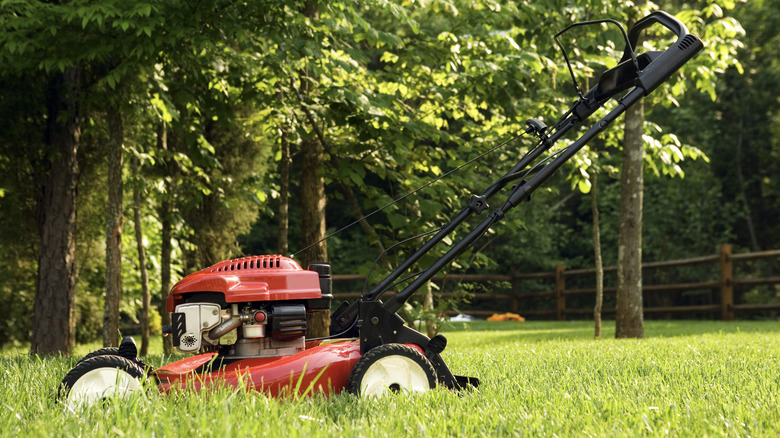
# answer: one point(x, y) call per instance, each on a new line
point(106, 351)
point(113, 351)
point(391, 368)
point(98, 378)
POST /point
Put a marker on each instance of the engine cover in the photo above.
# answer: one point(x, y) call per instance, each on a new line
point(254, 279)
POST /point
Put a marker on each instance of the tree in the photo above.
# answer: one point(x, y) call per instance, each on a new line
point(599, 266)
point(629, 314)
point(139, 239)
point(629, 308)
point(114, 219)
point(52, 330)
point(285, 162)
point(166, 219)
point(313, 200)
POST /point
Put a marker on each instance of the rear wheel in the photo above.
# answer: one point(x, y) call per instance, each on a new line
point(391, 368)
point(99, 378)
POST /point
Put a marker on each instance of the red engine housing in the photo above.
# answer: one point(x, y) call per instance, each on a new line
point(267, 278)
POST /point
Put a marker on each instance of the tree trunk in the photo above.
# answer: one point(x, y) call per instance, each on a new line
point(146, 296)
point(165, 246)
point(367, 229)
point(599, 266)
point(629, 320)
point(313, 221)
point(113, 231)
point(284, 194)
point(55, 290)
point(165, 270)
point(313, 198)
point(432, 325)
point(742, 188)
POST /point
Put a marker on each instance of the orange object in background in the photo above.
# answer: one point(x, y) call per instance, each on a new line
point(506, 317)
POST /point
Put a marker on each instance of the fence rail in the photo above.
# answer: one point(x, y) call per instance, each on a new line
point(557, 294)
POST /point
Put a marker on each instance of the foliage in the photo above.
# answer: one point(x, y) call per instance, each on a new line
point(122, 48)
point(401, 93)
point(742, 128)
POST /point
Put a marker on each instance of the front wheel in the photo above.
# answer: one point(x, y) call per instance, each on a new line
point(106, 351)
point(100, 378)
point(126, 349)
point(391, 368)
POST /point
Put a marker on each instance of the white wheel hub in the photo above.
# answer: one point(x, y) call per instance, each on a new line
point(99, 384)
point(394, 373)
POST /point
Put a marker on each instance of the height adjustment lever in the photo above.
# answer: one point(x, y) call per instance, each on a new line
point(478, 203)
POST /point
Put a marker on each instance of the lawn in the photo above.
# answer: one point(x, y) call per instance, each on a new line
point(689, 378)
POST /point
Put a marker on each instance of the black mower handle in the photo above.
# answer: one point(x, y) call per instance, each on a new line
point(639, 74)
point(665, 63)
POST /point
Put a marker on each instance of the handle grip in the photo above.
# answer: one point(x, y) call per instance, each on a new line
point(660, 17)
point(669, 61)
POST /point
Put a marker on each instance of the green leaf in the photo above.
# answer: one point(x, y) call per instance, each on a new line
point(584, 185)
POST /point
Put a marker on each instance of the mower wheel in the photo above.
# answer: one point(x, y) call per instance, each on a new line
point(106, 351)
point(99, 378)
point(117, 351)
point(391, 368)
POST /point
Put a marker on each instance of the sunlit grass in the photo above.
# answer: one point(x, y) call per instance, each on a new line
point(538, 378)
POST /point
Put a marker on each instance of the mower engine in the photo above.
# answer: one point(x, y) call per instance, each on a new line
point(248, 307)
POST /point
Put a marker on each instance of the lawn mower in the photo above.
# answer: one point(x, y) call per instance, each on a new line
point(245, 320)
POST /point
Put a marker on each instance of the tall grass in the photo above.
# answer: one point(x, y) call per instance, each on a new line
point(541, 378)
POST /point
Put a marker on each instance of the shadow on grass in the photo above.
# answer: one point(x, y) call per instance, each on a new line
point(545, 331)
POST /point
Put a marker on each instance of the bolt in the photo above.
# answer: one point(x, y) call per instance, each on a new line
point(205, 324)
point(214, 312)
point(375, 320)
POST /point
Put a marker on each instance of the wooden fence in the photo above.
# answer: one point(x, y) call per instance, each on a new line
point(551, 303)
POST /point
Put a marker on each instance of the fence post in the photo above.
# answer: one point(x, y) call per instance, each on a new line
point(513, 303)
point(560, 299)
point(726, 284)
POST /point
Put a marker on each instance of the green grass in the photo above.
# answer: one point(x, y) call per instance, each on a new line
point(538, 378)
